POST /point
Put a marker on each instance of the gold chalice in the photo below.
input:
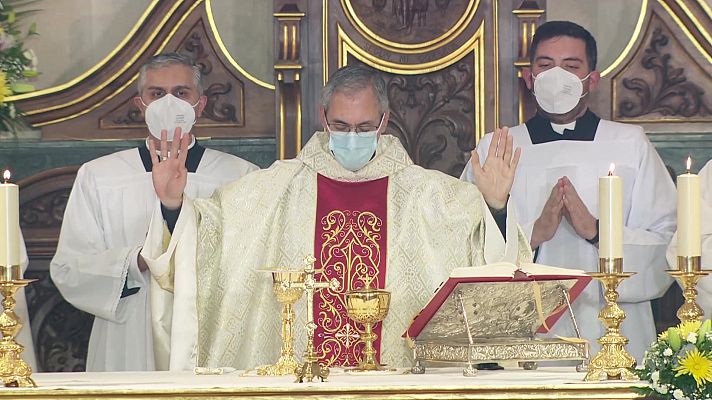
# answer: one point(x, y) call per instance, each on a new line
point(288, 287)
point(368, 306)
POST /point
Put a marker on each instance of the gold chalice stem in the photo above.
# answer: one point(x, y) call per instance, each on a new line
point(369, 353)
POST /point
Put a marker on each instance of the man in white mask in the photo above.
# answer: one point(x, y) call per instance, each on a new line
point(353, 199)
point(565, 149)
point(97, 267)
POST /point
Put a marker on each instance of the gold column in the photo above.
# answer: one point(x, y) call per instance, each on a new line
point(529, 14)
point(288, 89)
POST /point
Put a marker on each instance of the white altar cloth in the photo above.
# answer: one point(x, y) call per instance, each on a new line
point(544, 383)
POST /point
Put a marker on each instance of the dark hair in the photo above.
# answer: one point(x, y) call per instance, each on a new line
point(354, 78)
point(166, 59)
point(554, 29)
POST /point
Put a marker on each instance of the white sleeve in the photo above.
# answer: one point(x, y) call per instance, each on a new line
point(89, 274)
point(648, 230)
point(171, 258)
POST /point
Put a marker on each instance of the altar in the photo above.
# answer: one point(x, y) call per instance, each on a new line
point(437, 383)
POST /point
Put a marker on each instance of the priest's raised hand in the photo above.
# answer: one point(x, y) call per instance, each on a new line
point(169, 174)
point(495, 177)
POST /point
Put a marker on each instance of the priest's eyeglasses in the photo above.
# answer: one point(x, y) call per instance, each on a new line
point(340, 127)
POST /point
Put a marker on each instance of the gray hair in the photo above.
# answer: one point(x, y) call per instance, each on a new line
point(167, 59)
point(353, 79)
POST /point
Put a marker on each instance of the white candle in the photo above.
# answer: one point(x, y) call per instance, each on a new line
point(688, 214)
point(9, 229)
point(610, 210)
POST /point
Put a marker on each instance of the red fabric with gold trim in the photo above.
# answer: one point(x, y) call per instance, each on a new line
point(350, 245)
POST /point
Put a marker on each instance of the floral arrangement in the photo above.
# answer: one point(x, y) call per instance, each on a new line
point(678, 364)
point(17, 64)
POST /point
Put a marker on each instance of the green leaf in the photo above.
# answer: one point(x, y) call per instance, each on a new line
point(22, 87)
point(674, 339)
point(30, 73)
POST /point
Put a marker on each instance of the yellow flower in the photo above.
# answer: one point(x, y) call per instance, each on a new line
point(689, 327)
point(4, 89)
point(696, 364)
point(663, 336)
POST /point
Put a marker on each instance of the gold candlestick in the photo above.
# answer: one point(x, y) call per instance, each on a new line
point(369, 307)
point(14, 371)
point(311, 368)
point(287, 293)
point(689, 273)
point(612, 361)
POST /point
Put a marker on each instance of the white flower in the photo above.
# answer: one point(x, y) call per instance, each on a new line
point(667, 352)
point(655, 376)
point(663, 389)
point(692, 337)
point(32, 57)
point(678, 394)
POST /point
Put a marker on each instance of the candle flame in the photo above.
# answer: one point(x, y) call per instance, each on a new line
point(6, 175)
point(689, 163)
point(611, 169)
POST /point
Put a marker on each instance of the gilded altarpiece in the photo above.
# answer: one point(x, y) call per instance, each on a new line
point(439, 61)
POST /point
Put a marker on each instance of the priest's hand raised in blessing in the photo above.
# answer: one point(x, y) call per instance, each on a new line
point(576, 212)
point(169, 173)
point(548, 222)
point(494, 179)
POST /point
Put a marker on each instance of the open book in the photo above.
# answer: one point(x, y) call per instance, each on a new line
point(500, 300)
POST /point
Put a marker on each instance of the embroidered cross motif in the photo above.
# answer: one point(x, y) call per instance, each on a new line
point(348, 335)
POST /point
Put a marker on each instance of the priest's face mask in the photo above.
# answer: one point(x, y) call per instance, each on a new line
point(354, 123)
point(169, 100)
point(560, 78)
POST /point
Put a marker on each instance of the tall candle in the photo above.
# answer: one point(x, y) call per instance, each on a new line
point(9, 229)
point(688, 214)
point(610, 210)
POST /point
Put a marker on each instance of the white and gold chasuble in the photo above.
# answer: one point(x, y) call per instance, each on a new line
point(221, 310)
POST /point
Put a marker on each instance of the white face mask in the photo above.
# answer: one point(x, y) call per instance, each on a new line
point(557, 90)
point(169, 113)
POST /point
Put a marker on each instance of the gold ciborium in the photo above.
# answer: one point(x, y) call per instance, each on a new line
point(369, 307)
point(288, 287)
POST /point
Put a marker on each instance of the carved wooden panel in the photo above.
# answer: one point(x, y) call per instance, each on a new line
point(663, 82)
point(99, 105)
point(438, 60)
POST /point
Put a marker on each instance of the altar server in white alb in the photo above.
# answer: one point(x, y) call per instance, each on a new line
point(565, 149)
point(704, 286)
point(97, 267)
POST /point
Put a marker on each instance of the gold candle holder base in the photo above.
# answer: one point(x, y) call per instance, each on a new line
point(311, 368)
point(369, 307)
point(14, 371)
point(688, 274)
point(612, 362)
point(288, 287)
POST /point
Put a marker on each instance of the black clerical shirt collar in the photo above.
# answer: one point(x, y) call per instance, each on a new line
point(540, 130)
point(195, 154)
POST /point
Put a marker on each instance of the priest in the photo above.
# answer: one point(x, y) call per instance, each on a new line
point(565, 149)
point(704, 286)
point(354, 200)
point(97, 267)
